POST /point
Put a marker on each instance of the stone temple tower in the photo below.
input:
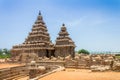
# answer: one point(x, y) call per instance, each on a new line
point(38, 44)
point(38, 41)
point(64, 45)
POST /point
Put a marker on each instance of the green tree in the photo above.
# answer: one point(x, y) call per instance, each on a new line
point(83, 51)
point(0, 51)
point(5, 50)
point(6, 55)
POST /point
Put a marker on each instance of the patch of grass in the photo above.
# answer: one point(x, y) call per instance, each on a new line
point(117, 57)
point(5, 56)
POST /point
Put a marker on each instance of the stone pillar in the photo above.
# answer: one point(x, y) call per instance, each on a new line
point(33, 70)
point(33, 73)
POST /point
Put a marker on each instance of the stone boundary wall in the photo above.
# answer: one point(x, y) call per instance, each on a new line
point(60, 63)
point(66, 64)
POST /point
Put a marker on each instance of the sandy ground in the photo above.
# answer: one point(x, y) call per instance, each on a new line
point(7, 65)
point(25, 78)
point(81, 74)
point(74, 74)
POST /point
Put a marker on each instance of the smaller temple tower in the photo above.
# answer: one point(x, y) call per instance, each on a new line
point(64, 45)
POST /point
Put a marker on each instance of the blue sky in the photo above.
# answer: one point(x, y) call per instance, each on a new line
point(93, 24)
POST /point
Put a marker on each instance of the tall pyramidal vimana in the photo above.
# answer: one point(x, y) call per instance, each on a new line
point(38, 43)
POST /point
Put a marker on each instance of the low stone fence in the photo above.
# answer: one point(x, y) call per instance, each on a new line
point(116, 66)
point(60, 63)
point(99, 68)
point(67, 64)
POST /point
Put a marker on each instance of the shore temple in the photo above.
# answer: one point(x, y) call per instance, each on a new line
point(39, 43)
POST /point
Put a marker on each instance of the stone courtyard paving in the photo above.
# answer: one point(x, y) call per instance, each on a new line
point(82, 74)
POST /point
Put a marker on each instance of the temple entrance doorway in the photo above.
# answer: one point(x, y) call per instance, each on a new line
point(47, 54)
point(53, 53)
point(50, 53)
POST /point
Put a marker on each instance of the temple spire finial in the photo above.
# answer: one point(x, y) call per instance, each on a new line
point(63, 24)
point(39, 12)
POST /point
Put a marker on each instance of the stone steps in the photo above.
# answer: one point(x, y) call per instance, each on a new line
point(13, 73)
point(15, 77)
